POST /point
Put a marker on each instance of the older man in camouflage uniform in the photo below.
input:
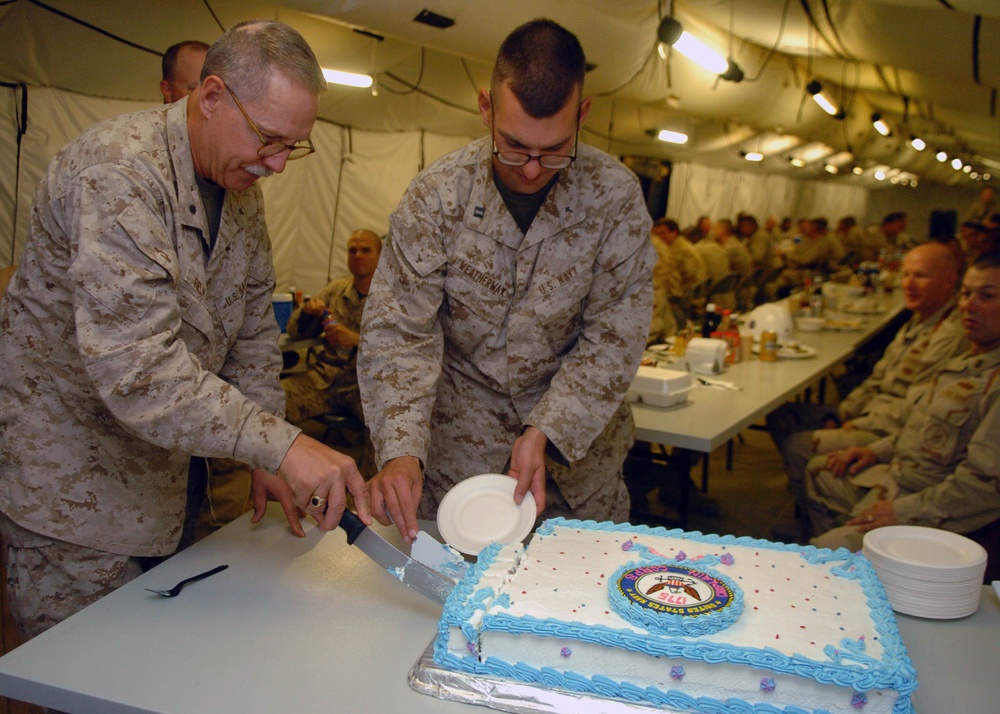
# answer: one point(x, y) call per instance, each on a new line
point(943, 469)
point(138, 331)
point(510, 308)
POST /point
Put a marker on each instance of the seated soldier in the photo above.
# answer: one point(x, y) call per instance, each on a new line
point(874, 409)
point(329, 384)
point(943, 468)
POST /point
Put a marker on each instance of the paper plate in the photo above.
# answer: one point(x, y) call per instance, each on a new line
point(925, 547)
point(481, 510)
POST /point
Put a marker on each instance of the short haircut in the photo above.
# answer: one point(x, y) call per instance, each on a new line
point(820, 223)
point(543, 63)
point(247, 55)
point(987, 260)
point(893, 217)
point(170, 56)
point(670, 223)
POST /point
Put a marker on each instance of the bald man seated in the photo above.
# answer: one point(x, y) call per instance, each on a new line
point(876, 407)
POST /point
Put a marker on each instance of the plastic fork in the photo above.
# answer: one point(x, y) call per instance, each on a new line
point(176, 589)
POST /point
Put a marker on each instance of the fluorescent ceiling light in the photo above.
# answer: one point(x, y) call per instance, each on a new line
point(816, 90)
point(880, 126)
point(700, 53)
point(814, 152)
point(348, 79)
point(672, 137)
point(753, 156)
point(840, 158)
point(917, 143)
point(825, 104)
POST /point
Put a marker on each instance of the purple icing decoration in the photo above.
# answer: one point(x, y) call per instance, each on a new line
point(677, 672)
point(680, 556)
point(727, 559)
point(627, 545)
point(565, 652)
point(767, 685)
point(471, 647)
point(859, 700)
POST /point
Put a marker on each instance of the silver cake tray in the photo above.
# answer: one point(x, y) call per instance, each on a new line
point(507, 695)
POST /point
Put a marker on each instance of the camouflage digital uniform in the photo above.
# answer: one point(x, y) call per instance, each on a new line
point(663, 323)
point(688, 265)
point(474, 331)
point(941, 470)
point(126, 349)
point(877, 407)
point(330, 382)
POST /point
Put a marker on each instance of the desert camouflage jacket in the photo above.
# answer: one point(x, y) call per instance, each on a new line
point(474, 330)
point(125, 349)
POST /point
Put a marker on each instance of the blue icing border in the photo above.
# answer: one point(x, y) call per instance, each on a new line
point(848, 665)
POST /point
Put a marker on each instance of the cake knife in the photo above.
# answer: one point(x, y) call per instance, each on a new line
point(426, 581)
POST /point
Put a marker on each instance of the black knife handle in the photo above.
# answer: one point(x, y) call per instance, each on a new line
point(352, 525)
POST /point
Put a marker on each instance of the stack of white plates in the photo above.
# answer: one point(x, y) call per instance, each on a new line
point(927, 572)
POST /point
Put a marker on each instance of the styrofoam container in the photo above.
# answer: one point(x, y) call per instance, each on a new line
point(659, 387)
point(809, 324)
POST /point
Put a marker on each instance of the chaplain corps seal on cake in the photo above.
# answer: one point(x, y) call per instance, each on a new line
point(674, 598)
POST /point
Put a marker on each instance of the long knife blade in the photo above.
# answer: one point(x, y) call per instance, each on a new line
point(426, 581)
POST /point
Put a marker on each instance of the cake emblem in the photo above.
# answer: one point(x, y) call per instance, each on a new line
point(675, 598)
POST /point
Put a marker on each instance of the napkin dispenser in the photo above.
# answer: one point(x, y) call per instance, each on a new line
point(705, 355)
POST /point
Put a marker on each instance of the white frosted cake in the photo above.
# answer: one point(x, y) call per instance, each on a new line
point(694, 622)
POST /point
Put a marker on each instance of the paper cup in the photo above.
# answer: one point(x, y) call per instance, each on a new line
point(282, 303)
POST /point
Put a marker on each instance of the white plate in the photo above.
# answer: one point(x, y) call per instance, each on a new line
point(481, 510)
point(925, 547)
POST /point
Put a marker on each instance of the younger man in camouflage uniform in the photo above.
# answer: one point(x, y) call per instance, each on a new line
point(510, 307)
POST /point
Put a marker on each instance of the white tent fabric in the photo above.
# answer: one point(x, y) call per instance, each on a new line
point(704, 190)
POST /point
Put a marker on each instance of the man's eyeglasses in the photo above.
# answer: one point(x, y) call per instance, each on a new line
point(546, 161)
point(272, 148)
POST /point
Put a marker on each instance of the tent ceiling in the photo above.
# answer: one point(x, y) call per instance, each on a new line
point(930, 67)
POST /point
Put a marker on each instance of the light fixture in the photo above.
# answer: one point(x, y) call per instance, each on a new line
point(967, 168)
point(941, 156)
point(796, 162)
point(672, 137)
point(879, 175)
point(816, 90)
point(956, 163)
point(880, 126)
point(670, 33)
point(917, 143)
point(348, 79)
point(830, 168)
point(857, 170)
point(752, 155)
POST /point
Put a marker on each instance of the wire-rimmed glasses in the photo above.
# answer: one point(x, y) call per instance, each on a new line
point(272, 148)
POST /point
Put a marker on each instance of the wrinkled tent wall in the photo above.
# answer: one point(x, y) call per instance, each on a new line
point(702, 190)
point(9, 100)
point(355, 180)
point(357, 177)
